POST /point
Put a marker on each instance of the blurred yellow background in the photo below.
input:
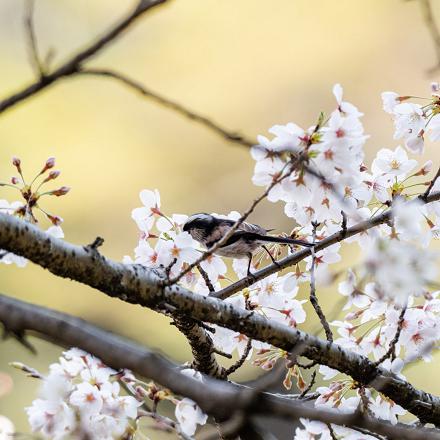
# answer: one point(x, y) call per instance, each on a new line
point(247, 64)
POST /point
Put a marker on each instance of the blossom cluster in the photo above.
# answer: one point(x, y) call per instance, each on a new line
point(82, 397)
point(412, 120)
point(31, 193)
point(333, 185)
point(6, 428)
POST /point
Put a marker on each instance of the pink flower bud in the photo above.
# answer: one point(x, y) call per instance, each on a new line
point(14, 180)
point(141, 392)
point(60, 191)
point(50, 163)
point(427, 167)
point(17, 163)
point(55, 220)
point(52, 175)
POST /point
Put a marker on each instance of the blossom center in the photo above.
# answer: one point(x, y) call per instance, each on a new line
point(340, 133)
point(395, 165)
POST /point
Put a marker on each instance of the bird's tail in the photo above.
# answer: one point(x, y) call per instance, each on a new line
point(285, 240)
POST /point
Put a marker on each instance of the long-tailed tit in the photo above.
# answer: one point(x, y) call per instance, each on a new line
point(208, 230)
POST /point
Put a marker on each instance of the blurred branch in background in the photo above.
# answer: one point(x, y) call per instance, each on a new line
point(428, 17)
point(73, 64)
point(168, 103)
point(217, 398)
point(38, 66)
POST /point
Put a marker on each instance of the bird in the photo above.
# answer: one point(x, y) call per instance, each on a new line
point(208, 229)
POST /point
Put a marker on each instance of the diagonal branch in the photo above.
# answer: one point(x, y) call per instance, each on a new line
point(73, 64)
point(428, 17)
point(296, 257)
point(32, 40)
point(168, 103)
point(218, 398)
point(139, 285)
point(313, 297)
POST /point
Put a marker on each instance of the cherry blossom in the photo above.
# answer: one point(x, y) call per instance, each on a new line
point(386, 409)
point(350, 289)
point(390, 100)
point(400, 269)
point(189, 415)
point(80, 394)
point(393, 163)
point(7, 429)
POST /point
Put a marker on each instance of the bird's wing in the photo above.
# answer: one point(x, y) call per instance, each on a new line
point(241, 235)
point(250, 227)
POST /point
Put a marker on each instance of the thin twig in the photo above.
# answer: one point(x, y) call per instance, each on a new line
point(428, 17)
point(305, 366)
point(169, 423)
point(205, 277)
point(32, 40)
point(391, 352)
point(309, 386)
point(344, 223)
point(431, 185)
point(313, 297)
point(331, 431)
point(168, 103)
point(97, 242)
point(233, 368)
point(300, 255)
point(222, 353)
point(169, 267)
point(372, 434)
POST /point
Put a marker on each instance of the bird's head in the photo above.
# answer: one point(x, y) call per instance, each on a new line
point(198, 221)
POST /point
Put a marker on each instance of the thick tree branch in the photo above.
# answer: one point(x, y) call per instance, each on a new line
point(202, 346)
point(218, 398)
point(73, 64)
point(139, 285)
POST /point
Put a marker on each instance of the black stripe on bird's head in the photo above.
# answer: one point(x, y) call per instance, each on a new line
point(199, 221)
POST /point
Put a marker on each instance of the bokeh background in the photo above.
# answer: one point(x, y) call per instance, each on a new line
point(247, 64)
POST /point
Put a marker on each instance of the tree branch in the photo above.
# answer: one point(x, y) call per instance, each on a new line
point(431, 185)
point(168, 103)
point(218, 398)
point(296, 257)
point(430, 23)
point(313, 297)
point(73, 64)
point(139, 285)
point(32, 40)
point(202, 346)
